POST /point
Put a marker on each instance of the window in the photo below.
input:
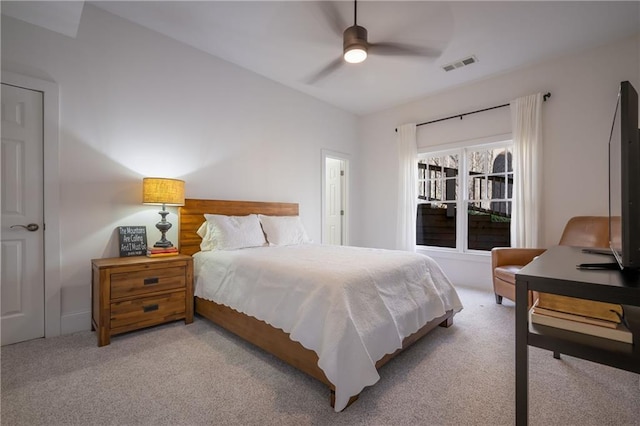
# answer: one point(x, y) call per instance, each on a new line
point(475, 179)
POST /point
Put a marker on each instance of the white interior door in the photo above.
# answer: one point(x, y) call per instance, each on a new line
point(334, 210)
point(22, 285)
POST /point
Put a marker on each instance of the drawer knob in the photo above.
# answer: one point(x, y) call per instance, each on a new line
point(150, 281)
point(150, 308)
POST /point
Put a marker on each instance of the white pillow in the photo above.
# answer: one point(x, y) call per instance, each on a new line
point(221, 232)
point(284, 230)
point(207, 243)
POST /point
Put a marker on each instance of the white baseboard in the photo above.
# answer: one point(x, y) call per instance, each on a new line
point(74, 322)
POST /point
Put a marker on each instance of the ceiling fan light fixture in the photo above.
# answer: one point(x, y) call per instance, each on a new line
point(355, 44)
point(355, 54)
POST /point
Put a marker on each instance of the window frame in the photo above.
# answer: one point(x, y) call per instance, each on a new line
point(462, 149)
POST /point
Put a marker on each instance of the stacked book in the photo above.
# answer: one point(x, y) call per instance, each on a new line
point(599, 319)
point(162, 251)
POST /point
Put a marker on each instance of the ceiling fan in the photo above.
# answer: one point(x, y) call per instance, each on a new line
point(356, 47)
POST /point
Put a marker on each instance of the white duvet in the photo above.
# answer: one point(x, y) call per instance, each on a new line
point(350, 305)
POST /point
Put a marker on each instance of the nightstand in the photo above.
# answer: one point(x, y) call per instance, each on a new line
point(129, 293)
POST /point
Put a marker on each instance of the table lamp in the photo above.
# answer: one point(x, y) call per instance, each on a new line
point(165, 192)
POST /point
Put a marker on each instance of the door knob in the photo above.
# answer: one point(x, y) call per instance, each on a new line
point(32, 227)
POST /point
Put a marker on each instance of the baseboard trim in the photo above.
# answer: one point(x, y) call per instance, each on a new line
point(74, 322)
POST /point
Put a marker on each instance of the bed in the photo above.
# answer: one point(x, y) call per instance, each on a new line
point(287, 345)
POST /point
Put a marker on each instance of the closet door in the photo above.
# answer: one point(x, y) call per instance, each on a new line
point(22, 285)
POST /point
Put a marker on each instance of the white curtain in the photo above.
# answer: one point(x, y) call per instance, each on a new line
point(526, 122)
point(407, 187)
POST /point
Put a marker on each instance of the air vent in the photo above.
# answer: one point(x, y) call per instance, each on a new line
point(461, 63)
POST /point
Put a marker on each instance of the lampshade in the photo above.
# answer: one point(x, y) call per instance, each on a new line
point(163, 191)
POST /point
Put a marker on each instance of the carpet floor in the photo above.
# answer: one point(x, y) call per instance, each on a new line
point(200, 374)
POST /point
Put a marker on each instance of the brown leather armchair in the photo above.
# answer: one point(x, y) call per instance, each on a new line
point(580, 231)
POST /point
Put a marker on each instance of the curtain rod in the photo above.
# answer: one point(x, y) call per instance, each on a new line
point(544, 98)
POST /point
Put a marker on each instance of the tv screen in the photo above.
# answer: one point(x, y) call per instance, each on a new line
point(624, 180)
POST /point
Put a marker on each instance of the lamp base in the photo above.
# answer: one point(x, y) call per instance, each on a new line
point(163, 226)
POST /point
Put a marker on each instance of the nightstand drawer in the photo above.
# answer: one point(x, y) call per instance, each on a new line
point(140, 282)
point(137, 313)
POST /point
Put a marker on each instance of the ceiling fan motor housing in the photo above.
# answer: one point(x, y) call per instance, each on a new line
point(355, 36)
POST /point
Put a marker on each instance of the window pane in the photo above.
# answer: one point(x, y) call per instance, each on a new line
point(499, 163)
point(436, 225)
point(501, 208)
point(479, 161)
point(450, 189)
point(434, 190)
point(501, 160)
point(488, 229)
point(478, 188)
point(439, 189)
point(509, 161)
point(422, 170)
point(435, 162)
point(451, 161)
point(500, 186)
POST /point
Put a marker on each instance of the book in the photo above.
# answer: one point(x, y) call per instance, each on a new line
point(162, 250)
point(574, 317)
point(583, 307)
point(161, 254)
point(620, 333)
point(174, 253)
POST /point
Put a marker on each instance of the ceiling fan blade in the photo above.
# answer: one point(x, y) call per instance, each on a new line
point(332, 16)
point(401, 49)
point(331, 67)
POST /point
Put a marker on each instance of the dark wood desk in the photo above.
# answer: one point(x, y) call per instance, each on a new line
point(555, 272)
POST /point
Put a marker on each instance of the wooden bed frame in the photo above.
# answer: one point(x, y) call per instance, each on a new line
point(261, 334)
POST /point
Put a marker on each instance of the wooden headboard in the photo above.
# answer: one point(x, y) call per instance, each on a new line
point(191, 216)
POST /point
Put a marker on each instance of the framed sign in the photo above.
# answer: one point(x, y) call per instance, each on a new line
point(132, 240)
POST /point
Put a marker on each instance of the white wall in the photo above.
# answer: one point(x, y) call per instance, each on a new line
point(134, 103)
point(576, 120)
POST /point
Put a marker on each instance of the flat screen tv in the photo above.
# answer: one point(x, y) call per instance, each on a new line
point(624, 180)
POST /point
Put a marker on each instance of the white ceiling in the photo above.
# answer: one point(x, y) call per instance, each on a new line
point(289, 41)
